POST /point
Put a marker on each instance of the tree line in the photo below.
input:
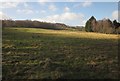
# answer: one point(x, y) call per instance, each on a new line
point(39, 24)
point(102, 26)
point(33, 24)
point(92, 25)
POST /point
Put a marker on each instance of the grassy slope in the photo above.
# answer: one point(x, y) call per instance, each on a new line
point(30, 53)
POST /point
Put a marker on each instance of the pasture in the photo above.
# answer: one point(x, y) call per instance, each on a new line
point(33, 53)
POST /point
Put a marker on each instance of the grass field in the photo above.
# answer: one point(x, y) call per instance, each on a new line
point(31, 53)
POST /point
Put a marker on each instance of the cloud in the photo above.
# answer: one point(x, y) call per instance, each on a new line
point(25, 11)
point(86, 3)
point(43, 11)
point(37, 11)
point(25, 5)
point(66, 9)
point(70, 0)
point(3, 16)
point(13, 4)
point(9, 4)
point(42, 2)
point(52, 7)
point(115, 15)
point(68, 18)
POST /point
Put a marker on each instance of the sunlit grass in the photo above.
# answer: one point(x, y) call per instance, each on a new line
point(67, 33)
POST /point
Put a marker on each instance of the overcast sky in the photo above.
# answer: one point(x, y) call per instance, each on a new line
point(70, 13)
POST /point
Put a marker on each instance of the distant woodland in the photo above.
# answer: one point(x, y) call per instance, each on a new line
point(102, 26)
point(38, 24)
point(92, 25)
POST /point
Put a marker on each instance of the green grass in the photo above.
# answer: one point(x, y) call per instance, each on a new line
point(31, 53)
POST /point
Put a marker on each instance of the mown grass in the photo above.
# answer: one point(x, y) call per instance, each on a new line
point(31, 53)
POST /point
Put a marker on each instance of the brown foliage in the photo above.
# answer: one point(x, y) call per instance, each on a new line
point(103, 26)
